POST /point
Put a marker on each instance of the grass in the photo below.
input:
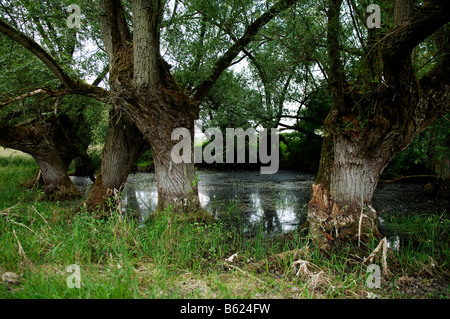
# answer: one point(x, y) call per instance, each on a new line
point(167, 258)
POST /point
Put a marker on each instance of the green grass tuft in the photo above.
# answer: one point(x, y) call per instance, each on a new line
point(170, 258)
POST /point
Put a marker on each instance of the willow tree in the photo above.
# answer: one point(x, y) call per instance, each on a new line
point(51, 129)
point(380, 104)
point(54, 143)
point(148, 103)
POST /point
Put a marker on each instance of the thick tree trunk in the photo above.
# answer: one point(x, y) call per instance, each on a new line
point(176, 179)
point(158, 116)
point(57, 184)
point(142, 83)
point(340, 207)
point(53, 145)
point(370, 123)
point(123, 146)
point(354, 154)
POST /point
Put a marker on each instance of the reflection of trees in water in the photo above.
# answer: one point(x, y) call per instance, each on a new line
point(262, 213)
point(246, 205)
point(253, 208)
point(140, 203)
point(273, 206)
point(132, 206)
point(270, 220)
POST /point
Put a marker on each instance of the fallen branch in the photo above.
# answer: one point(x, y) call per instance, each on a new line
point(20, 224)
point(276, 259)
point(41, 215)
point(244, 272)
point(6, 211)
point(369, 259)
point(38, 177)
point(25, 226)
point(21, 251)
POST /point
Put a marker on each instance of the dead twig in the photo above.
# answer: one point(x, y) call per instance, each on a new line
point(7, 210)
point(25, 226)
point(369, 259)
point(41, 216)
point(245, 273)
point(21, 251)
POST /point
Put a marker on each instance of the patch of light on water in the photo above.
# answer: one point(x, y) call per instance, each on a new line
point(204, 199)
point(258, 211)
point(286, 215)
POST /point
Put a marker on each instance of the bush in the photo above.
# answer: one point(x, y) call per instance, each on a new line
point(299, 152)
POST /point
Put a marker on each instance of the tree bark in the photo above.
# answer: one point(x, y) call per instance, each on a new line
point(57, 184)
point(367, 127)
point(53, 145)
point(177, 182)
point(123, 146)
point(170, 109)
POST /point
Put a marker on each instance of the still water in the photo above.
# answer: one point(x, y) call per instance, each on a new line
point(277, 203)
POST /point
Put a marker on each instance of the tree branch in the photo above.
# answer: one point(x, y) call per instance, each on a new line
point(72, 86)
point(224, 62)
point(101, 76)
point(38, 51)
point(147, 17)
point(298, 117)
point(113, 25)
point(424, 22)
point(298, 129)
point(30, 94)
point(336, 75)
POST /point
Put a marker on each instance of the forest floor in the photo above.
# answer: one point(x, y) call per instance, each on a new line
point(164, 258)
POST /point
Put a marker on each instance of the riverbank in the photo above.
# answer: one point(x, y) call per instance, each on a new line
point(165, 258)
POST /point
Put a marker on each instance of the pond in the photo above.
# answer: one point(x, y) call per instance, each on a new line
point(277, 203)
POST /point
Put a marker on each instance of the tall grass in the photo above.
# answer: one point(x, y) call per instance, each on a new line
point(167, 258)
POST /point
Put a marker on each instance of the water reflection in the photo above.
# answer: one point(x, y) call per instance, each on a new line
point(274, 203)
point(277, 203)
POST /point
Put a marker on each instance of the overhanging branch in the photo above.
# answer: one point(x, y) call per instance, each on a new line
point(71, 85)
point(225, 61)
point(298, 129)
point(30, 94)
point(424, 22)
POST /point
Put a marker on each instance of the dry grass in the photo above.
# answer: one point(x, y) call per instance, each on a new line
point(7, 152)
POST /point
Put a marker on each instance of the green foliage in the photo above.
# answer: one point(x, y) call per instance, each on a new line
point(421, 237)
point(299, 152)
point(168, 258)
point(231, 103)
point(414, 160)
point(45, 22)
point(428, 148)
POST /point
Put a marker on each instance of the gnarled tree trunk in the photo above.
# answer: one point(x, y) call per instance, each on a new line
point(54, 146)
point(142, 84)
point(177, 185)
point(123, 146)
point(366, 128)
